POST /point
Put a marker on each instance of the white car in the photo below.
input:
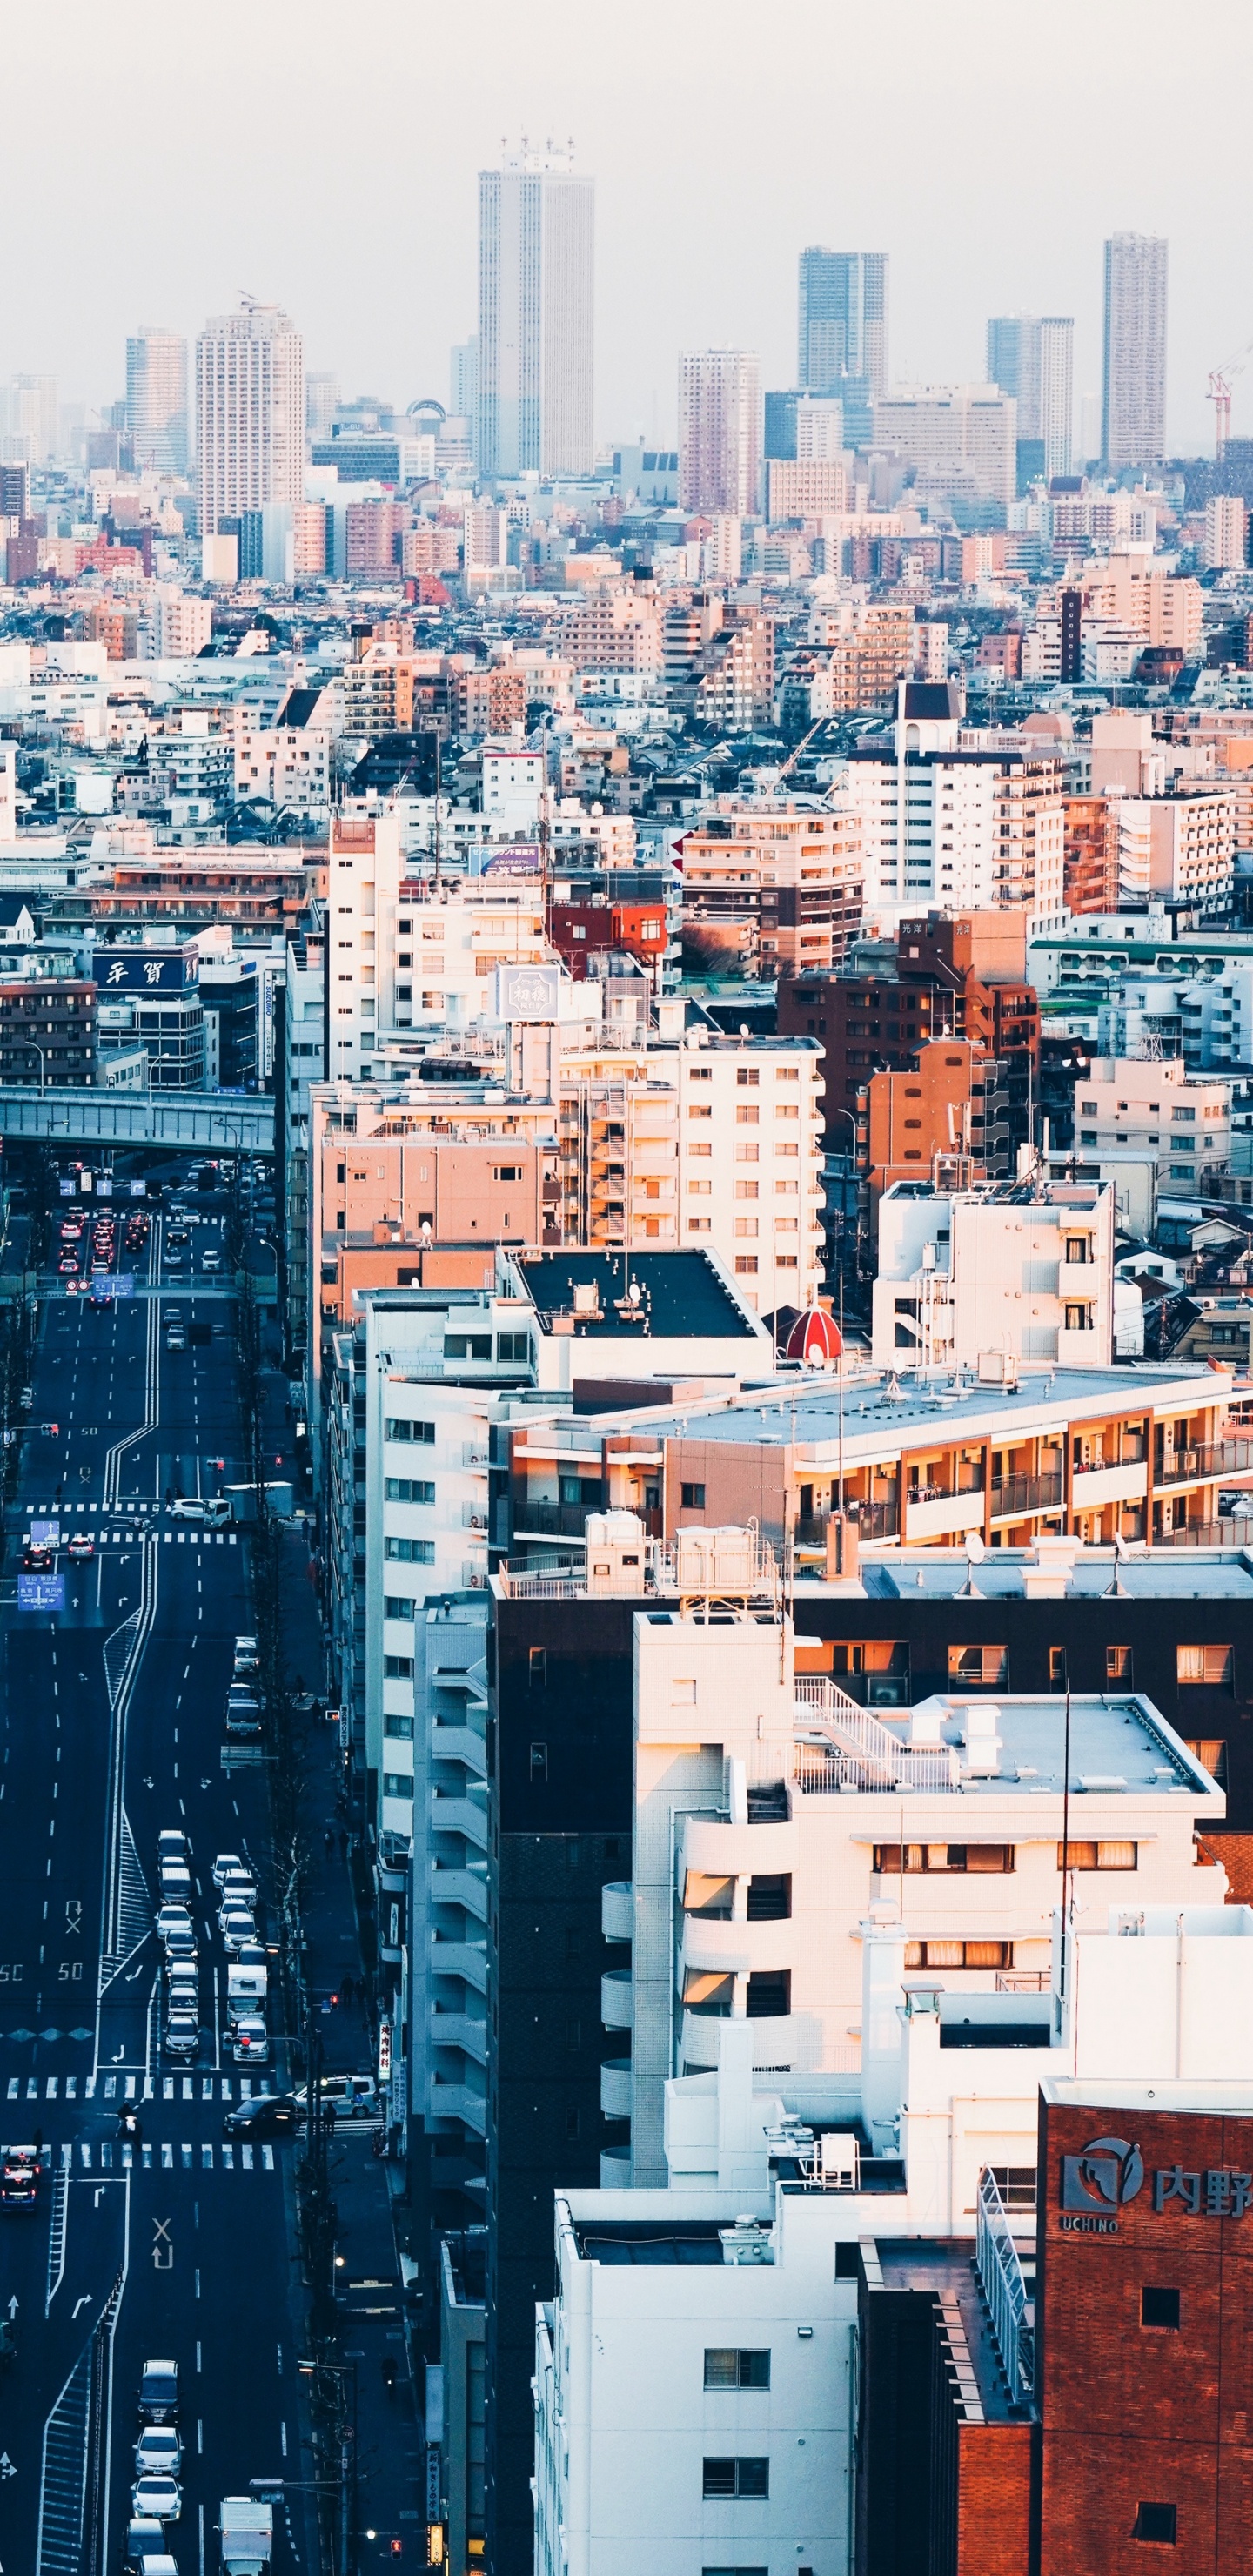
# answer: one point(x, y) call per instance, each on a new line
point(227, 1865)
point(173, 1917)
point(236, 1928)
point(353, 2097)
point(214, 1509)
point(158, 2452)
point(159, 2496)
point(210, 1260)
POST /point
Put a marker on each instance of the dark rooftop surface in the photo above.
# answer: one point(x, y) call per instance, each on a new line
point(948, 2269)
point(680, 1293)
point(698, 2242)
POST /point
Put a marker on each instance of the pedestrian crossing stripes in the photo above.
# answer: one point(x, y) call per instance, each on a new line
point(133, 2088)
point(202, 2155)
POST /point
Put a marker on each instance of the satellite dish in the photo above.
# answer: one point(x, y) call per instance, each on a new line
point(635, 1292)
point(975, 1548)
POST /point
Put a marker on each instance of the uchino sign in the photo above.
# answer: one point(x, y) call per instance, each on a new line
point(1109, 2173)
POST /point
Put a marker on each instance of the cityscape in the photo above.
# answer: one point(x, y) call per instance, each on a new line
point(626, 1244)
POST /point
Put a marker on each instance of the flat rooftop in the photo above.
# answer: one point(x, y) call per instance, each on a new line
point(680, 1294)
point(697, 2241)
point(1005, 1574)
point(1116, 1745)
point(882, 1406)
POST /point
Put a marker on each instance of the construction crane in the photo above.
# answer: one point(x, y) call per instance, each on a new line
point(1219, 393)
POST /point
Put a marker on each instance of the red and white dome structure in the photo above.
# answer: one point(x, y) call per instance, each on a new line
point(815, 1339)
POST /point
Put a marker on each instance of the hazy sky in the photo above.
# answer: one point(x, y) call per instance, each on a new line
point(156, 158)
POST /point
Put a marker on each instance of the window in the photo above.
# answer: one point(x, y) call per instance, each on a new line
point(509, 1171)
point(1180, 1116)
point(751, 2477)
point(747, 1189)
point(1152, 2522)
point(746, 1265)
point(407, 1489)
point(396, 1608)
point(1057, 1668)
point(1118, 1664)
point(421, 1431)
point(700, 1073)
point(1099, 1855)
point(397, 1784)
point(1210, 1665)
point(514, 1346)
point(691, 1498)
point(1160, 2308)
point(1077, 1248)
point(1078, 1319)
point(398, 1668)
point(467, 1346)
point(747, 1114)
point(770, 1899)
point(746, 1074)
point(727, 2368)
point(1016, 2185)
point(537, 1667)
point(410, 1551)
point(699, 1109)
point(986, 1666)
point(769, 1994)
point(746, 1226)
point(959, 1954)
point(539, 1762)
point(402, 1727)
point(988, 1860)
point(1211, 1753)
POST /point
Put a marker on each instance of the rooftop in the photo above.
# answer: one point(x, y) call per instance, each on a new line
point(946, 2270)
point(998, 1744)
point(656, 1295)
point(1004, 1574)
point(881, 1405)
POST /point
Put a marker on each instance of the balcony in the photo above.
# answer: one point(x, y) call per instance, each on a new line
point(617, 2001)
point(552, 1520)
point(465, 1959)
point(617, 1910)
point(871, 1520)
point(459, 2030)
point(941, 1515)
point(615, 2089)
point(466, 1887)
point(1208, 1458)
point(615, 2168)
point(467, 1816)
point(457, 2102)
point(1019, 1494)
point(1115, 1483)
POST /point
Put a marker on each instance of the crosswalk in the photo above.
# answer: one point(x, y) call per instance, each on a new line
point(133, 2088)
point(124, 1525)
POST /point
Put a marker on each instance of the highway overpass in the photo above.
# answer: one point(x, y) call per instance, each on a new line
point(198, 1122)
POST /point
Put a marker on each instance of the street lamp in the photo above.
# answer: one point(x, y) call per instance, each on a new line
point(29, 1043)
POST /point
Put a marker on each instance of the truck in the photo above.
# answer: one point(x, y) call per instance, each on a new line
point(247, 2532)
point(245, 1990)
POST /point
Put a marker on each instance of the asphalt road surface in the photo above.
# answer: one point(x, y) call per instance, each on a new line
point(178, 2245)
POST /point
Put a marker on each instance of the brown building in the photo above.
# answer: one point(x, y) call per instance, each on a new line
point(952, 1102)
point(48, 1033)
point(488, 698)
point(956, 975)
point(1091, 858)
point(777, 889)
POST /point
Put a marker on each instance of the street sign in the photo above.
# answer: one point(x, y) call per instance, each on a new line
point(385, 2051)
point(45, 1533)
point(41, 1592)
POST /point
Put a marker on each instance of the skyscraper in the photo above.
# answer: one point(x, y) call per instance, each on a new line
point(1133, 386)
point(250, 412)
point(842, 334)
point(28, 420)
point(156, 400)
point(536, 303)
point(1031, 356)
point(321, 403)
point(720, 431)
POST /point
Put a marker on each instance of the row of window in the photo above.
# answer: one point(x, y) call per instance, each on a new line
point(993, 1859)
point(408, 1489)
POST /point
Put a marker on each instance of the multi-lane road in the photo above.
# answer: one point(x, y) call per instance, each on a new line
point(176, 2244)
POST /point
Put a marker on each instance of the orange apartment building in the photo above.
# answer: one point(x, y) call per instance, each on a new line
point(953, 1103)
point(779, 889)
point(1090, 861)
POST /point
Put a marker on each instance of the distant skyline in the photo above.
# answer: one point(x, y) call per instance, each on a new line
point(275, 169)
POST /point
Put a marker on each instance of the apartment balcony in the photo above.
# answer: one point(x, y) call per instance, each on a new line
point(1018, 1494)
point(464, 1959)
point(459, 2030)
point(617, 2001)
point(1207, 1458)
point(617, 1910)
point(944, 1515)
point(1119, 1483)
point(460, 1744)
point(457, 2102)
point(719, 1945)
point(551, 1520)
point(712, 1847)
point(468, 1816)
point(467, 1887)
point(615, 2168)
point(615, 2089)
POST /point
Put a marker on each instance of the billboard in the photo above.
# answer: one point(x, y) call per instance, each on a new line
point(41, 1592)
point(145, 970)
point(528, 993)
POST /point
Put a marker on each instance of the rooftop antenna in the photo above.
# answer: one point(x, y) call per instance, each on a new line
point(1117, 1590)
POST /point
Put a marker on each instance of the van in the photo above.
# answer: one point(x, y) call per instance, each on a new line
point(243, 1712)
point(215, 1509)
point(158, 2393)
point(245, 1991)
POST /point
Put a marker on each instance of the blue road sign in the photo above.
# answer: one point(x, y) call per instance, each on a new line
point(41, 1592)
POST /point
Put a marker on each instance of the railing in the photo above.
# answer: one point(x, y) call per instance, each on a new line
point(1207, 1458)
point(1238, 1533)
point(1000, 2272)
point(552, 1520)
point(970, 1483)
point(861, 1752)
point(1023, 1981)
point(1026, 1494)
point(870, 1520)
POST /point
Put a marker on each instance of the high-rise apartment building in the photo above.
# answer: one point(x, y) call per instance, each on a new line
point(28, 420)
point(1031, 356)
point(720, 431)
point(842, 330)
point(156, 400)
point(1133, 404)
point(321, 403)
point(536, 304)
point(959, 434)
point(463, 378)
point(250, 412)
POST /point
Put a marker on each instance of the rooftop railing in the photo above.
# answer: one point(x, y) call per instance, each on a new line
point(1011, 2310)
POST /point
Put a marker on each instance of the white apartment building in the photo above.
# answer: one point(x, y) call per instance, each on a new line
point(284, 761)
point(534, 367)
point(300, 1063)
point(720, 431)
point(176, 627)
point(1226, 532)
point(250, 412)
point(797, 2194)
point(1178, 848)
point(962, 430)
point(1157, 1109)
point(1004, 1274)
point(756, 1869)
point(964, 828)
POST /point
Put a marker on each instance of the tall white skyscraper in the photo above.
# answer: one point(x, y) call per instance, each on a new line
point(1031, 356)
point(1133, 387)
point(321, 402)
point(156, 399)
point(720, 431)
point(28, 420)
point(250, 412)
point(536, 313)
